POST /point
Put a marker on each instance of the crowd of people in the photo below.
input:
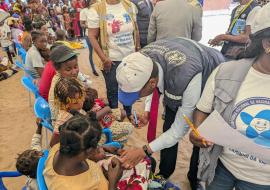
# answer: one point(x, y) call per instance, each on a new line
point(146, 49)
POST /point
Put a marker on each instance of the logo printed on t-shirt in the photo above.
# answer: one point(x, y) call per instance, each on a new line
point(127, 18)
point(251, 117)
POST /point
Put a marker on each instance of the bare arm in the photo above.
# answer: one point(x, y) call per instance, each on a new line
point(101, 113)
point(137, 36)
point(242, 38)
point(199, 117)
point(93, 34)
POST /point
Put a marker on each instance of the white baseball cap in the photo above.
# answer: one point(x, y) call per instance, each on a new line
point(132, 74)
point(261, 20)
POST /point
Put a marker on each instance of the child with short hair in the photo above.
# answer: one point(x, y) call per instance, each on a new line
point(27, 161)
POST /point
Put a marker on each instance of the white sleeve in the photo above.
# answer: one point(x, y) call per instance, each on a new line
point(179, 128)
point(36, 142)
point(92, 19)
point(37, 60)
point(83, 15)
point(148, 102)
point(251, 16)
point(205, 103)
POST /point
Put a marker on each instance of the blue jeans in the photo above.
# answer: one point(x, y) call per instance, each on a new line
point(112, 88)
point(90, 54)
point(224, 180)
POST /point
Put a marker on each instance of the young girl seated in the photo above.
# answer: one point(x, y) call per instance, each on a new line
point(107, 117)
point(27, 161)
point(70, 96)
point(68, 166)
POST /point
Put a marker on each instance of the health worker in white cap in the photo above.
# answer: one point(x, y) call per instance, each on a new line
point(239, 92)
point(176, 68)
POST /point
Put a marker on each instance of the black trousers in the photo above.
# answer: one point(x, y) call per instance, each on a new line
point(168, 156)
point(193, 168)
point(112, 88)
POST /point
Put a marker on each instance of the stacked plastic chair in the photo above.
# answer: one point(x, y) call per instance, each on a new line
point(8, 174)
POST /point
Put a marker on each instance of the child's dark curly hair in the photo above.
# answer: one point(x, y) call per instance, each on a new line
point(27, 162)
point(78, 134)
point(66, 89)
point(90, 96)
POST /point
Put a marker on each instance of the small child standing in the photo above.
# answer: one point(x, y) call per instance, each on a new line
point(5, 40)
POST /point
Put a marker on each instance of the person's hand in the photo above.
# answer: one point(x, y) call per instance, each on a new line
point(110, 149)
point(199, 141)
point(107, 64)
point(115, 172)
point(138, 48)
point(142, 119)
point(131, 157)
point(216, 41)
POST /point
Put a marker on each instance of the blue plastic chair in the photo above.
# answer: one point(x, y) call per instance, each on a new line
point(26, 71)
point(22, 53)
point(42, 111)
point(41, 165)
point(8, 174)
point(18, 45)
point(18, 64)
point(30, 86)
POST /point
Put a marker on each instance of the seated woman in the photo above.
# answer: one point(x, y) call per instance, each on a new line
point(68, 166)
point(65, 62)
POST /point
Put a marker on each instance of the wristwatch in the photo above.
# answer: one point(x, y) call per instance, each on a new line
point(145, 149)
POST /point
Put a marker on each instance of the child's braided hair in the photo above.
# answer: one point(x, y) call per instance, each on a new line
point(66, 89)
point(78, 134)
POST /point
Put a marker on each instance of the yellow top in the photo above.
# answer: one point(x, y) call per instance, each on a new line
point(92, 179)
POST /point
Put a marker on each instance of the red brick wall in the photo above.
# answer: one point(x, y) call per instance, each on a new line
point(216, 4)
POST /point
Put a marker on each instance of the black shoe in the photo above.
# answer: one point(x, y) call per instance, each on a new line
point(95, 73)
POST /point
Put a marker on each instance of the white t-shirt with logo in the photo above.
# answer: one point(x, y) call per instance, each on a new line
point(119, 28)
point(251, 117)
